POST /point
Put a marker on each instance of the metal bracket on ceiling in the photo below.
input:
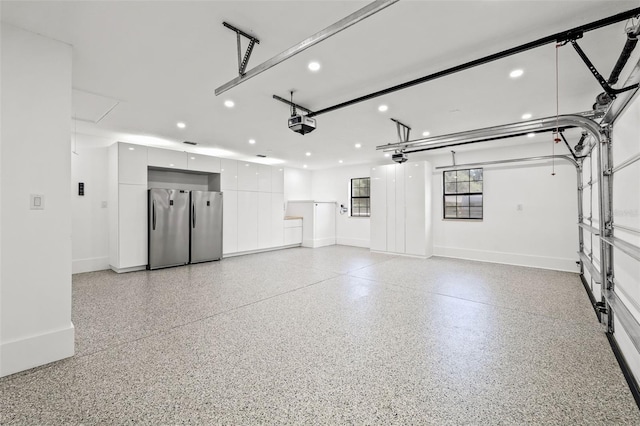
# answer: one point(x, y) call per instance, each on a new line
point(291, 104)
point(243, 60)
point(610, 91)
point(404, 131)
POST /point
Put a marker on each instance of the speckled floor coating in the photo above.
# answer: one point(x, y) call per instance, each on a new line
point(336, 335)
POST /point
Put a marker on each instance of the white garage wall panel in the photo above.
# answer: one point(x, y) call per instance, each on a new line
point(625, 148)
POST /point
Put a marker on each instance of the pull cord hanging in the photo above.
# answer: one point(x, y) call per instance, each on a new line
point(556, 132)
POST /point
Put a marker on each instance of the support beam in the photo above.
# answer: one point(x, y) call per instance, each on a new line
point(324, 34)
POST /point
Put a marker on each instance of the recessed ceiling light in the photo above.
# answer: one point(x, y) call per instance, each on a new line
point(171, 164)
point(252, 141)
point(229, 103)
point(340, 161)
point(526, 116)
point(358, 145)
point(193, 158)
point(425, 133)
point(530, 135)
point(314, 66)
point(308, 154)
point(131, 148)
point(181, 125)
point(386, 154)
point(383, 108)
point(305, 166)
point(516, 73)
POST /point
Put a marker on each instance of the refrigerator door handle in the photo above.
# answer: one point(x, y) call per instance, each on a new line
point(154, 215)
point(193, 214)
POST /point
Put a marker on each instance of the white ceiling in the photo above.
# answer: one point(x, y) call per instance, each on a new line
point(160, 62)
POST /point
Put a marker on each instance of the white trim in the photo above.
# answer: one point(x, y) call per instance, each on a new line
point(518, 259)
point(130, 269)
point(242, 253)
point(92, 264)
point(33, 351)
point(355, 242)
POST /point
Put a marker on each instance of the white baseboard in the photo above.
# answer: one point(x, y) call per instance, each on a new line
point(354, 242)
point(242, 253)
point(92, 264)
point(130, 269)
point(319, 242)
point(34, 351)
point(518, 259)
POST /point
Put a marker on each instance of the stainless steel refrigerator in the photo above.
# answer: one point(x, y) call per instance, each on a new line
point(206, 226)
point(184, 227)
point(168, 227)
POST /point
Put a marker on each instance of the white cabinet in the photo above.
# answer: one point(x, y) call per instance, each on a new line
point(277, 180)
point(247, 176)
point(292, 232)
point(264, 220)
point(132, 163)
point(127, 201)
point(378, 220)
point(229, 222)
point(166, 158)
point(318, 221)
point(264, 178)
point(401, 209)
point(228, 174)
point(132, 217)
point(247, 220)
point(277, 219)
point(203, 163)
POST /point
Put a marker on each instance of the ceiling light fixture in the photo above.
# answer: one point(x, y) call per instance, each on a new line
point(340, 161)
point(252, 141)
point(383, 108)
point(305, 166)
point(131, 148)
point(308, 154)
point(516, 73)
point(181, 125)
point(386, 154)
point(526, 116)
point(426, 133)
point(530, 135)
point(358, 145)
point(314, 66)
point(229, 103)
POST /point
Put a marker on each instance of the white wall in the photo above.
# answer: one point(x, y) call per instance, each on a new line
point(297, 184)
point(90, 224)
point(543, 234)
point(35, 280)
point(333, 185)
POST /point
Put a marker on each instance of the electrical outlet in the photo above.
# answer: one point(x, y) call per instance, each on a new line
point(519, 207)
point(36, 202)
point(104, 204)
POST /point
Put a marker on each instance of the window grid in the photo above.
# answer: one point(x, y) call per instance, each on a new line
point(360, 197)
point(462, 194)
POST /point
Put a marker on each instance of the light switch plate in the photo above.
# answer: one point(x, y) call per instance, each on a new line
point(36, 202)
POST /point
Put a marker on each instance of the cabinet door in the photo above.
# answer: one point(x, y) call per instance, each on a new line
point(203, 163)
point(324, 232)
point(264, 178)
point(166, 158)
point(247, 176)
point(264, 220)
point(228, 174)
point(247, 220)
point(230, 222)
point(418, 217)
point(378, 220)
point(132, 164)
point(400, 208)
point(391, 207)
point(277, 179)
point(277, 219)
point(132, 219)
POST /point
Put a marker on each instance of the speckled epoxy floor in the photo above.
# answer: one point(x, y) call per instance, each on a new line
point(336, 335)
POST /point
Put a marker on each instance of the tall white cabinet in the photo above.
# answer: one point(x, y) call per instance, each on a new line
point(127, 207)
point(401, 209)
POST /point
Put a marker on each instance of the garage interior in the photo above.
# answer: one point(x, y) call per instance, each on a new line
point(515, 302)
